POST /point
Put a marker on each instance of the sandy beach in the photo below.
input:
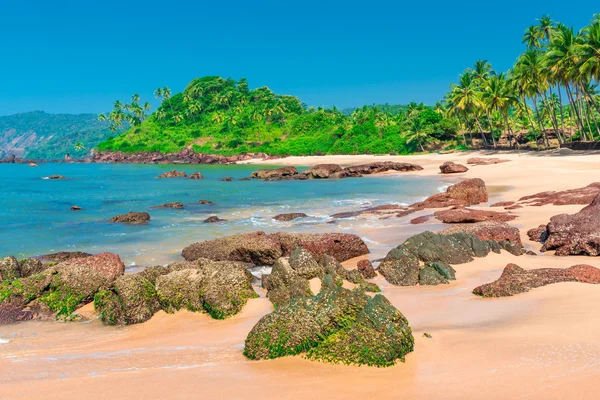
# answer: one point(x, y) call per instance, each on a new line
point(544, 344)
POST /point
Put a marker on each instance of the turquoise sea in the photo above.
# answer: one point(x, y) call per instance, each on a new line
point(35, 217)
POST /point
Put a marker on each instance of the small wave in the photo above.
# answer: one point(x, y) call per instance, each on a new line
point(4, 341)
point(443, 188)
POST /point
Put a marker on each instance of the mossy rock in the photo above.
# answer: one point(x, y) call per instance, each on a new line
point(305, 265)
point(9, 269)
point(181, 289)
point(443, 269)
point(284, 284)
point(338, 325)
point(400, 267)
point(430, 276)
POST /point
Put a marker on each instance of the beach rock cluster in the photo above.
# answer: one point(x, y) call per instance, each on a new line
point(583, 196)
point(290, 276)
point(577, 234)
point(426, 258)
point(338, 326)
point(452, 168)
point(219, 288)
point(37, 290)
point(186, 156)
point(515, 280)
point(259, 248)
point(332, 171)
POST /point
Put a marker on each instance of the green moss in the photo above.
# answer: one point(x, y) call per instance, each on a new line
point(109, 306)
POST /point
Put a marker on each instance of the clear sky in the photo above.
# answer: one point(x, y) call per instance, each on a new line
point(79, 56)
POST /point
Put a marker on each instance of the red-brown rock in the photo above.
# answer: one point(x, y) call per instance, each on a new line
point(485, 161)
point(452, 168)
point(537, 234)
point(324, 171)
point(465, 193)
point(365, 267)
point(583, 196)
point(341, 246)
point(488, 230)
point(515, 279)
point(379, 167)
point(503, 204)
point(460, 214)
point(289, 216)
point(420, 220)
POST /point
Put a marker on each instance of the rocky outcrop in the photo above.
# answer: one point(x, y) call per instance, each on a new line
point(324, 171)
point(489, 230)
point(577, 234)
point(485, 161)
point(11, 268)
point(583, 196)
point(219, 288)
point(175, 204)
point(259, 248)
point(186, 156)
point(465, 193)
point(403, 265)
point(60, 289)
point(172, 174)
point(274, 174)
point(131, 218)
point(213, 219)
point(338, 326)
point(196, 175)
point(451, 168)
point(289, 216)
point(379, 167)
point(515, 280)
point(460, 214)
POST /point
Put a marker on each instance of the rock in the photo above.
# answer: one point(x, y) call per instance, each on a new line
point(515, 279)
point(485, 161)
point(323, 171)
point(402, 265)
point(175, 204)
point(289, 216)
point(583, 196)
point(538, 234)
point(341, 246)
point(131, 218)
point(219, 288)
point(338, 326)
point(465, 193)
point(196, 175)
point(304, 264)
point(379, 167)
point(366, 269)
point(577, 234)
point(488, 230)
point(382, 211)
point(420, 220)
point(430, 276)
point(261, 249)
point(227, 179)
point(284, 283)
point(213, 219)
point(244, 179)
point(63, 256)
point(172, 174)
point(208, 202)
point(503, 204)
point(33, 164)
point(256, 248)
point(56, 177)
point(75, 208)
point(451, 168)
point(460, 214)
point(62, 288)
point(31, 266)
point(9, 269)
point(274, 174)
point(513, 207)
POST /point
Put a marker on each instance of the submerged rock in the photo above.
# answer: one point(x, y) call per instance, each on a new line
point(131, 218)
point(75, 208)
point(56, 177)
point(451, 168)
point(338, 326)
point(227, 179)
point(289, 216)
point(207, 202)
point(213, 219)
point(196, 175)
point(515, 279)
point(175, 204)
point(324, 171)
point(172, 174)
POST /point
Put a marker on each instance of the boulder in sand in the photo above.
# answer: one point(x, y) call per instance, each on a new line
point(515, 280)
point(583, 196)
point(460, 214)
point(451, 168)
point(485, 161)
point(465, 193)
point(365, 267)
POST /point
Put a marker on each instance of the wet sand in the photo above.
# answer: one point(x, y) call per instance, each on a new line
point(544, 344)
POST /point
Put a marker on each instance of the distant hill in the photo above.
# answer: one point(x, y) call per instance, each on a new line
point(224, 116)
point(38, 134)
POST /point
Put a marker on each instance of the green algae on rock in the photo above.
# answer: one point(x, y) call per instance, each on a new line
point(338, 325)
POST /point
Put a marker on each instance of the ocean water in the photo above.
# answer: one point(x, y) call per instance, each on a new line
point(35, 217)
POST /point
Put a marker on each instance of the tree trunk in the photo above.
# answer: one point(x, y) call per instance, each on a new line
point(562, 115)
point(540, 122)
point(487, 113)
point(481, 131)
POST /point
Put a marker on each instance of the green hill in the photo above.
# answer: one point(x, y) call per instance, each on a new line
point(224, 116)
point(38, 134)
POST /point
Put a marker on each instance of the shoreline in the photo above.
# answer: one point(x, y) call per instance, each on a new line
point(537, 345)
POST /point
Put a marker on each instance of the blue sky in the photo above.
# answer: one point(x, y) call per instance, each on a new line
point(80, 56)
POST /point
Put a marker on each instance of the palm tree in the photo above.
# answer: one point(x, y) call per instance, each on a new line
point(381, 121)
point(497, 95)
point(466, 97)
point(418, 133)
point(79, 146)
